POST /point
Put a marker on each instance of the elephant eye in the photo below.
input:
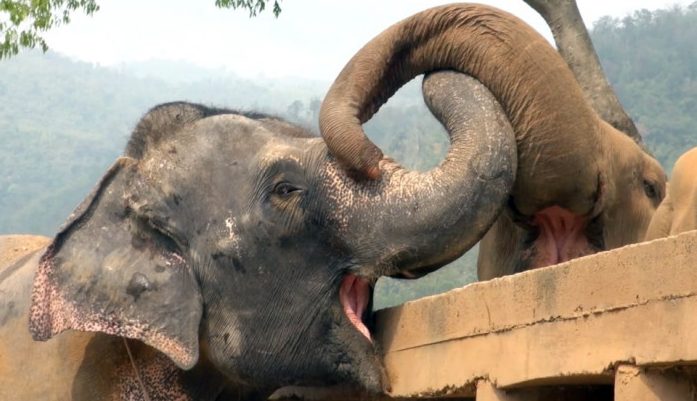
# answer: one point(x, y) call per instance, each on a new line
point(651, 190)
point(284, 189)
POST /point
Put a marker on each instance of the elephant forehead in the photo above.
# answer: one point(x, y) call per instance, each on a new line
point(275, 151)
point(212, 143)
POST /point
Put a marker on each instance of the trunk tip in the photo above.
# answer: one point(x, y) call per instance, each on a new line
point(367, 162)
point(372, 173)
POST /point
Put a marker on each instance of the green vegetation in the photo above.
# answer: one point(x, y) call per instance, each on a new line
point(651, 60)
point(254, 6)
point(23, 21)
point(63, 122)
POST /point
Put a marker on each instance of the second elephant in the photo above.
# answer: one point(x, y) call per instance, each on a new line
point(581, 185)
point(678, 211)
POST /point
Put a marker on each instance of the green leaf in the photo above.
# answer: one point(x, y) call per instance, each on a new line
point(33, 17)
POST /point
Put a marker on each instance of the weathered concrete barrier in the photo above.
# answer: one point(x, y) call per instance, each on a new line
point(570, 323)
point(620, 324)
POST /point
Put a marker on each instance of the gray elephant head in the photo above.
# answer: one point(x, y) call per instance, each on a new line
point(581, 185)
point(236, 240)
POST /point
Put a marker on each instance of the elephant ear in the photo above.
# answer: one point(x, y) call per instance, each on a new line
point(115, 268)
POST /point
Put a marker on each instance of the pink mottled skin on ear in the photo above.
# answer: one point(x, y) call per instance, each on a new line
point(51, 313)
point(159, 376)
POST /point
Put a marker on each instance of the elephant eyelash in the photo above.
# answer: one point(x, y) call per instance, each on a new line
point(285, 189)
point(272, 183)
point(651, 190)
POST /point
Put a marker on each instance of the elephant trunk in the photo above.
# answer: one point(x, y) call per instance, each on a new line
point(576, 47)
point(430, 218)
point(558, 134)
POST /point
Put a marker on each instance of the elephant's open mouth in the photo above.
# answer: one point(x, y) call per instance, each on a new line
point(558, 235)
point(354, 296)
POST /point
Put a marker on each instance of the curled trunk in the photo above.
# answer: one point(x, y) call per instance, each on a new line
point(536, 89)
point(430, 218)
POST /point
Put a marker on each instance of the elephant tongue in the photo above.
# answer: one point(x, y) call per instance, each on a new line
point(562, 236)
point(354, 296)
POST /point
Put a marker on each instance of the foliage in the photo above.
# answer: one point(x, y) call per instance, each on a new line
point(22, 21)
point(254, 6)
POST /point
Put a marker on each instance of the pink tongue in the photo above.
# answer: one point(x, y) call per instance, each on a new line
point(354, 295)
point(561, 236)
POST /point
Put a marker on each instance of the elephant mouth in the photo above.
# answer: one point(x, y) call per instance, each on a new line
point(354, 295)
point(558, 235)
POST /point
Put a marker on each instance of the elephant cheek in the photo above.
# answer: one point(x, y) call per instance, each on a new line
point(223, 343)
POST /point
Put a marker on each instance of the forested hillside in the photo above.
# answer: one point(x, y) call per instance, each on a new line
point(651, 60)
point(63, 122)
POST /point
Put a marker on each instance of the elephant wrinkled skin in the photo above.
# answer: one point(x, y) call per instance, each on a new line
point(231, 255)
point(678, 211)
point(581, 185)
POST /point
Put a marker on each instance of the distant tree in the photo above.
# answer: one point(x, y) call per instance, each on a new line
point(254, 6)
point(23, 21)
point(295, 110)
point(314, 107)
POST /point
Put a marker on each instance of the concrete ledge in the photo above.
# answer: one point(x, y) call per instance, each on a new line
point(637, 384)
point(14, 247)
point(570, 323)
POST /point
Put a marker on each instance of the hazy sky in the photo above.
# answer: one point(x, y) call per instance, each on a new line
point(310, 39)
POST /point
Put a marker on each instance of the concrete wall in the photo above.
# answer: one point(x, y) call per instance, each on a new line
point(570, 323)
point(616, 325)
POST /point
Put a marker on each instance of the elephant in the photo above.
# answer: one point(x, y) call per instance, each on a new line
point(581, 185)
point(678, 211)
point(576, 48)
point(228, 254)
